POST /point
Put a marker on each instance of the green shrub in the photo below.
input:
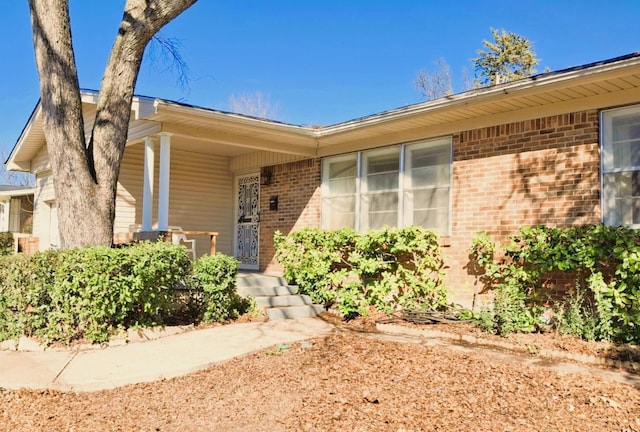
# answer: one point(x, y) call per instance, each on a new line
point(89, 292)
point(603, 263)
point(6, 243)
point(215, 276)
point(388, 268)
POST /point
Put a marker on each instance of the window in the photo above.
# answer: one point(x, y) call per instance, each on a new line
point(379, 196)
point(621, 166)
point(400, 185)
point(426, 186)
point(339, 192)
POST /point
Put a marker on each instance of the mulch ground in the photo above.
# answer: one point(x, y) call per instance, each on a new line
point(347, 381)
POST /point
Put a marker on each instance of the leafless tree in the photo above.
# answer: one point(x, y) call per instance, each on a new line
point(436, 84)
point(254, 104)
point(85, 171)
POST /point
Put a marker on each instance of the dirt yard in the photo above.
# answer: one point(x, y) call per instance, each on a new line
point(349, 381)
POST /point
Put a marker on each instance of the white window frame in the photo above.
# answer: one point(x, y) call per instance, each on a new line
point(608, 197)
point(403, 187)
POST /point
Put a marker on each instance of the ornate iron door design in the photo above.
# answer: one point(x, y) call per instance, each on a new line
point(247, 226)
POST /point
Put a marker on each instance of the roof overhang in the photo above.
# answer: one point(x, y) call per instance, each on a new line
point(605, 84)
point(17, 192)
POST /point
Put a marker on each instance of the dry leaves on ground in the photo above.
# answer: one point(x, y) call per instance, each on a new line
point(344, 382)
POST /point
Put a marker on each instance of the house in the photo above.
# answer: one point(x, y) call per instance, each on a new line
point(558, 148)
point(16, 213)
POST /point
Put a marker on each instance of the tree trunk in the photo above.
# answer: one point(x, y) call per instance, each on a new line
point(85, 172)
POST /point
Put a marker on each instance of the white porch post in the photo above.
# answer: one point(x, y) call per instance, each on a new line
point(147, 195)
point(163, 183)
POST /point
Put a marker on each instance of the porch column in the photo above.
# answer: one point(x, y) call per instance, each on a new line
point(147, 193)
point(163, 183)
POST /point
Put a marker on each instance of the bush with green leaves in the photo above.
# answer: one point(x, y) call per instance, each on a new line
point(215, 277)
point(89, 292)
point(389, 268)
point(6, 243)
point(602, 263)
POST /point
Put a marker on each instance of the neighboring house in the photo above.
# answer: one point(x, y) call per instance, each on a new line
point(558, 148)
point(16, 212)
point(16, 208)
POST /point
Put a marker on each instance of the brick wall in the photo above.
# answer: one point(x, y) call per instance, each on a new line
point(297, 186)
point(542, 171)
point(28, 245)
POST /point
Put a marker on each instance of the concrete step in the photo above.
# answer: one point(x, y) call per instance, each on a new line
point(263, 291)
point(292, 312)
point(279, 299)
point(283, 300)
point(259, 279)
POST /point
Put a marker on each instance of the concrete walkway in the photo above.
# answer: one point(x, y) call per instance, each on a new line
point(166, 357)
point(171, 355)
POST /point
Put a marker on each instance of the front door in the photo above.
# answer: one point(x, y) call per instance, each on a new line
point(248, 221)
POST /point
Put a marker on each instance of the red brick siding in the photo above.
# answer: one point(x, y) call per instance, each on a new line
point(28, 245)
point(297, 186)
point(542, 171)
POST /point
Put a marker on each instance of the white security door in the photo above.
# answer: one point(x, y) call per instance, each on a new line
point(248, 221)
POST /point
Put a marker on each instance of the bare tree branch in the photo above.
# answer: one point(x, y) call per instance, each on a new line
point(166, 52)
point(434, 85)
point(255, 105)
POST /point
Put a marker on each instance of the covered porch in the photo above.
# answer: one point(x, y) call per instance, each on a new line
point(197, 172)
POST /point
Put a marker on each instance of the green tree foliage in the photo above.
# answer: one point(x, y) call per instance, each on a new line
point(508, 58)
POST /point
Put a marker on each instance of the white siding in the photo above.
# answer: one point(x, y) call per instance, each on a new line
point(200, 196)
point(40, 162)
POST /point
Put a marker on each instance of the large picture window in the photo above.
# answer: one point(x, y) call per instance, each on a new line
point(399, 186)
point(621, 166)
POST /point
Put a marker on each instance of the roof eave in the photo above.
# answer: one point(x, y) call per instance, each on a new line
point(541, 81)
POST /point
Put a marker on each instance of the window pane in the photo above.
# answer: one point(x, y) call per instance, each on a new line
point(378, 210)
point(339, 192)
point(621, 198)
point(621, 146)
point(341, 186)
point(339, 175)
point(626, 128)
point(620, 162)
point(428, 208)
point(342, 168)
point(381, 169)
point(338, 212)
point(381, 182)
point(381, 163)
point(421, 155)
point(427, 183)
point(429, 176)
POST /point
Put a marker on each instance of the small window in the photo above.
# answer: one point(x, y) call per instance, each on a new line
point(621, 166)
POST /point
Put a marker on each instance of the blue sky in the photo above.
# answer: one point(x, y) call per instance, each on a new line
point(321, 62)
